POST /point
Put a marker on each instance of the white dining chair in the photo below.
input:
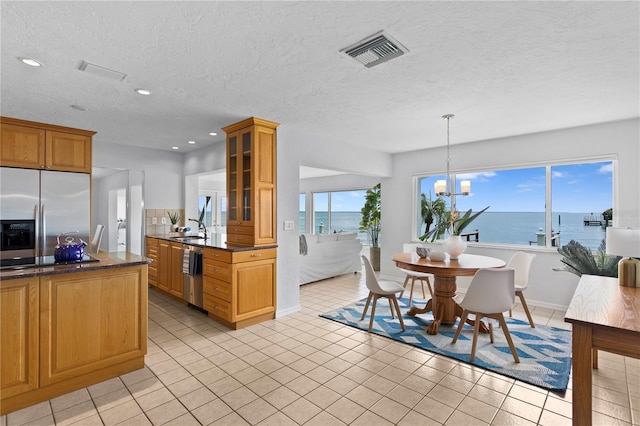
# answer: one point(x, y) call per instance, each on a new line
point(378, 289)
point(521, 262)
point(414, 276)
point(491, 292)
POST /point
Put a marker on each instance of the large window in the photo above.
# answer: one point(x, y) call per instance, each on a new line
point(545, 206)
point(337, 211)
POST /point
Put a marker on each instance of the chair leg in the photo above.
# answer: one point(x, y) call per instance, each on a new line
point(413, 283)
point(424, 295)
point(366, 306)
point(505, 330)
point(373, 312)
point(406, 280)
point(476, 329)
point(526, 308)
point(463, 318)
point(391, 309)
point(395, 302)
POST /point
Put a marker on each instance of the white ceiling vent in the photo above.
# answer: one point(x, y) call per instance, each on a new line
point(101, 71)
point(375, 49)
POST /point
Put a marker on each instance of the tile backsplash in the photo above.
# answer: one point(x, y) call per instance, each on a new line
point(155, 217)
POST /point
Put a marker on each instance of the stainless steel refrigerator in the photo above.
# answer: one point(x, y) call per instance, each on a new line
point(59, 202)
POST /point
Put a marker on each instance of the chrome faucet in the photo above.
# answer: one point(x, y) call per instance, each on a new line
point(201, 225)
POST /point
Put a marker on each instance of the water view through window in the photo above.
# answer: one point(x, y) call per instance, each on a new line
point(337, 211)
point(580, 196)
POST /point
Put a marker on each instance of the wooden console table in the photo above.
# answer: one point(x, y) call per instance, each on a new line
point(604, 316)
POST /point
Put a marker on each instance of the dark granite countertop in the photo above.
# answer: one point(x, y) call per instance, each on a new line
point(104, 261)
point(218, 241)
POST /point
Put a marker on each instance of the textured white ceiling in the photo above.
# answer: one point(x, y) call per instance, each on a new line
point(503, 68)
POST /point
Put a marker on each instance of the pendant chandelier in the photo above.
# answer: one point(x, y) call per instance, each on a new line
point(446, 187)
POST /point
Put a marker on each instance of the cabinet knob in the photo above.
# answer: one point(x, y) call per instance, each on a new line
point(256, 255)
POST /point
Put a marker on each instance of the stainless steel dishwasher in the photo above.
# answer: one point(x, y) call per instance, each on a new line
point(192, 275)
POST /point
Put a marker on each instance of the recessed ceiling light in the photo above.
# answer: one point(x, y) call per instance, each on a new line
point(143, 92)
point(174, 147)
point(192, 142)
point(80, 107)
point(213, 134)
point(31, 62)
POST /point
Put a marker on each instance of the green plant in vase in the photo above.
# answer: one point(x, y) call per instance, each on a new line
point(454, 245)
point(174, 217)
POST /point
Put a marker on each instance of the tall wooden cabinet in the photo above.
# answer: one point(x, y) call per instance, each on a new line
point(251, 183)
point(32, 145)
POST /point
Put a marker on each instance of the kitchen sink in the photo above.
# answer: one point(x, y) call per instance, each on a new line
point(188, 238)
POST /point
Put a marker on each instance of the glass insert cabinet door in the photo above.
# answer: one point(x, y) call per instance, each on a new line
point(240, 176)
point(246, 176)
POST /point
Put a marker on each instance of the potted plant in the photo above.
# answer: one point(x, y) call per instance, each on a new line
point(370, 224)
point(579, 260)
point(454, 245)
point(174, 217)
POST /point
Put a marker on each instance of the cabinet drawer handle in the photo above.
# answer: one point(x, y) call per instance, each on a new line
point(256, 255)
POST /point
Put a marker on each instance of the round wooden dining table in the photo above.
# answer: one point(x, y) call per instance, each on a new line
point(442, 304)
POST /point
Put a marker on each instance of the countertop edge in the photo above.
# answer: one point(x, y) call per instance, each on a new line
point(209, 243)
point(106, 261)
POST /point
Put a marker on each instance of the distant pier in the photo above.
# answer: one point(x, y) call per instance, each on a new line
point(596, 220)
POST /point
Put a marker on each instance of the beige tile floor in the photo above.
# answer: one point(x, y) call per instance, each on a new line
point(302, 369)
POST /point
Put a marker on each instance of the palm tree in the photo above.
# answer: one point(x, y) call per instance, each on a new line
point(433, 212)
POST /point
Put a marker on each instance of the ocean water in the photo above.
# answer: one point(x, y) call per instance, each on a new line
point(493, 227)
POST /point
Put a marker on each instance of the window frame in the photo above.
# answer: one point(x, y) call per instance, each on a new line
point(548, 192)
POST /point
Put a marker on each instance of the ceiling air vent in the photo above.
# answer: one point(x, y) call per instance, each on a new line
point(375, 49)
point(101, 71)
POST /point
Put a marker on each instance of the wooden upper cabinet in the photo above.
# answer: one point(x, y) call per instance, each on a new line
point(251, 182)
point(22, 146)
point(68, 152)
point(32, 145)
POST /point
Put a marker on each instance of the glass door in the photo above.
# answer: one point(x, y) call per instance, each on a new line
point(212, 206)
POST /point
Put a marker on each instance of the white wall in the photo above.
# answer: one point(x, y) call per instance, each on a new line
point(548, 288)
point(163, 171)
point(206, 159)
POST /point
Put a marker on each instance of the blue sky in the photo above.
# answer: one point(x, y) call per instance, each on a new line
point(576, 188)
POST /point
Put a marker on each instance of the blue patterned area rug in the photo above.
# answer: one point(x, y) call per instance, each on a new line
point(545, 352)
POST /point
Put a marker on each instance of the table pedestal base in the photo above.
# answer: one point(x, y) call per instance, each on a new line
point(443, 305)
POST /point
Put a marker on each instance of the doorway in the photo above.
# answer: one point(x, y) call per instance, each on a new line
point(212, 206)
